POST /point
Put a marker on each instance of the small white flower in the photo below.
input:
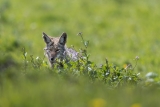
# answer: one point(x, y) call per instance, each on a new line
point(137, 58)
point(107, 73)
point(138, 73)
point(89, 69)
point(129, 78)
point(25, 54)
point(115, 78)
point(37, 58)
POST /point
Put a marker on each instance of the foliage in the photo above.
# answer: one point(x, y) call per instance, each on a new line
point(107, 73)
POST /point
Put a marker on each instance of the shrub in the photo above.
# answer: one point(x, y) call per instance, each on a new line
point(107, 73)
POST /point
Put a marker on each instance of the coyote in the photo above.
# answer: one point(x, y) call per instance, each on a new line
point(56, 49)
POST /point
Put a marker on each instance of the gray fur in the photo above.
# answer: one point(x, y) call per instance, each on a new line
point(56, 49)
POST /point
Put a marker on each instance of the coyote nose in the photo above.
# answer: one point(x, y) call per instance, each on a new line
point(52, 59)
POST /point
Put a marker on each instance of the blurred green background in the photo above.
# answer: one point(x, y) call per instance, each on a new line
point(117, 30)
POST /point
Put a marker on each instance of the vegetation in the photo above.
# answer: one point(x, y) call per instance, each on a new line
point(119, 63)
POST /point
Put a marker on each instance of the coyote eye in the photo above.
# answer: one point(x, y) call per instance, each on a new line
point(57, 50)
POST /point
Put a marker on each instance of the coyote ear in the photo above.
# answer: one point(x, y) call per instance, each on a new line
point(63, 39)
point(46, 38)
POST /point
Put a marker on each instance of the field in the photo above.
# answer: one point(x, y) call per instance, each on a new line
point(123, 38)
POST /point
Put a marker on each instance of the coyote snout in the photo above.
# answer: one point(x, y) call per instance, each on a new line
point(56, 48)
point(51, 56)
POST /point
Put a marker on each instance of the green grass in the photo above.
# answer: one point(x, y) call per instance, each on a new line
point(118, 30)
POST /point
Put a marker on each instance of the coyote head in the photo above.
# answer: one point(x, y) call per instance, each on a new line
point(55, 47)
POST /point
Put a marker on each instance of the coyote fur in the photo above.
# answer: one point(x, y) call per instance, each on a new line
point(56, 49)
